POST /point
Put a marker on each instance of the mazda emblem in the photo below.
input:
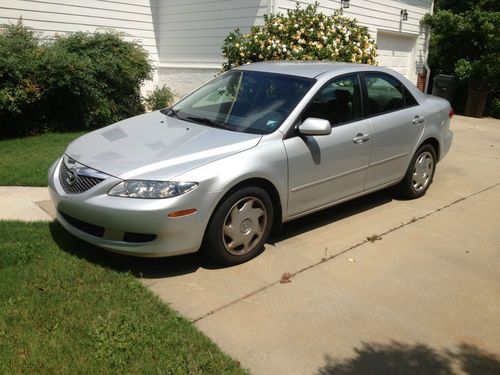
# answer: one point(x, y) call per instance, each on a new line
point(71, 176)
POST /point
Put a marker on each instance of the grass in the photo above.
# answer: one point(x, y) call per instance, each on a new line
point(63, 313)
point(25, 161)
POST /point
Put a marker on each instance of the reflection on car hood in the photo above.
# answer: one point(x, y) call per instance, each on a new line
point(154, 146)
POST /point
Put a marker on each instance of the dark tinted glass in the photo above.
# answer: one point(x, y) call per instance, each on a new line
point(385, 93)
point(245, 101)
point(338, 102)
point(409, 99)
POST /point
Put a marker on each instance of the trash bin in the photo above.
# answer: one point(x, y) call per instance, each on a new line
point(445, 86)
point(476, 100)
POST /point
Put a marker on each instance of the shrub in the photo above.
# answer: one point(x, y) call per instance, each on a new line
point(159, 98)
point(76, 81)
point(301, 34)
point(493, 106)
point(20, 81)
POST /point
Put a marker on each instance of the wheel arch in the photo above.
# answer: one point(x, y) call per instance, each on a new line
point(264, 184)
point(434, 143)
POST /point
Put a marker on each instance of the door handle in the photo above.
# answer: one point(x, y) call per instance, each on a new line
point(418, 120)
point(361, 138)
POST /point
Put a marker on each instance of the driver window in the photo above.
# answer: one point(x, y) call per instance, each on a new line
point(338, 102)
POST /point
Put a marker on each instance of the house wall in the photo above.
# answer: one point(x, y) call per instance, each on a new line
point(184, 37)
point(383, 18)
point(192, 33)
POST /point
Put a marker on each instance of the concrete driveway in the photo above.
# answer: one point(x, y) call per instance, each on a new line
point(423, 298)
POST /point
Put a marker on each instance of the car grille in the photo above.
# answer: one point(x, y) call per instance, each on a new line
point(79, 184)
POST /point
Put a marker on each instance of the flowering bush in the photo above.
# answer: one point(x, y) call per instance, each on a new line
point(301, 34)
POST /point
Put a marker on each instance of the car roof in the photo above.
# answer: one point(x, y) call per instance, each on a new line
point(308, 69)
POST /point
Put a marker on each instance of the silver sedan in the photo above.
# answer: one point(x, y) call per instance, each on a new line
point(257, 146)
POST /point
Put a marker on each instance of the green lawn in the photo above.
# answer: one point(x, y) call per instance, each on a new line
point(25, 161)
point(66, 307)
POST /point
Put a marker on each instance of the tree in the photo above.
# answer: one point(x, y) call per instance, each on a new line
point(465, 42)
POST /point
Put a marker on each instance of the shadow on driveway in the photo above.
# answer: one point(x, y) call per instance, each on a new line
point(152, 268)
point(403, 359)
point(330, 215)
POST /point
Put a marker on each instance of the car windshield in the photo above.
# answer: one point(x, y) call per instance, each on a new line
point(244, 101)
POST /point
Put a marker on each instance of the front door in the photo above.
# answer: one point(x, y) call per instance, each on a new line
point(328, 168)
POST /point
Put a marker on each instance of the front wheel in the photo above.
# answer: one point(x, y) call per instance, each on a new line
point(240, 226)
point(420, 173)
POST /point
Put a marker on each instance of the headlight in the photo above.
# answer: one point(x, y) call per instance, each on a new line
point(151, 189)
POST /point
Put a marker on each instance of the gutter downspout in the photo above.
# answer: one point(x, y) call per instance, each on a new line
point(271, 6)
point(427, 42)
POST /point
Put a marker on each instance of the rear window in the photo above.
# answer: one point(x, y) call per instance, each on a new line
point(385, 94)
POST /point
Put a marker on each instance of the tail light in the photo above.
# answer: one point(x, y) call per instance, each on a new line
point(451, 113)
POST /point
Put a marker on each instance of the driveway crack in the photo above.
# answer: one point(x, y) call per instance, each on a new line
point(342, 252)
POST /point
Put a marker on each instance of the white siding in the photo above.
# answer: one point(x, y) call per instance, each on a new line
point(381, 16)
point(184, 37)
point(192, 31)
point(132, 17)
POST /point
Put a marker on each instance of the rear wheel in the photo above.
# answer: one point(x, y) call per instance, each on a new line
point(420, 173)
point(240, 226)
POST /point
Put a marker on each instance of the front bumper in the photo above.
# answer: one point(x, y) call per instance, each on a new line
point(139, 227)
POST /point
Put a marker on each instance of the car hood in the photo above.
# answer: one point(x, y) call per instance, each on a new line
point(156, 147)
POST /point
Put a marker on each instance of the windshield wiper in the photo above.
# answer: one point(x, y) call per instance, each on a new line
point(207, 121)
point(168, 111)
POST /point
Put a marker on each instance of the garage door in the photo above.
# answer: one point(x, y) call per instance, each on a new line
point(395, 51)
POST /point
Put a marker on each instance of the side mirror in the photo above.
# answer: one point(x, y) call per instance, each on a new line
point(315, 126)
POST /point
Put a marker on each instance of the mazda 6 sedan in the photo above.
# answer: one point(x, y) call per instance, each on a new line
point(257, 146)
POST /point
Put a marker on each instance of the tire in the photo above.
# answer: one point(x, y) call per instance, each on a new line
point(420, 173)
point(239, 226)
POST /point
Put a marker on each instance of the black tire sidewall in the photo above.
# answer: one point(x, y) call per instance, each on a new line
point(214, 245)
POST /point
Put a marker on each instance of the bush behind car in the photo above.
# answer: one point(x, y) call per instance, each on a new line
point(73, 82)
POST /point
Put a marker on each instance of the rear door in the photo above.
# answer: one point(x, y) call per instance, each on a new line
point(397, 122)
